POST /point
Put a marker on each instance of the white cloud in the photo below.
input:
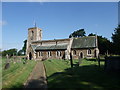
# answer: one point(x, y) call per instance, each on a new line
point(2, 23)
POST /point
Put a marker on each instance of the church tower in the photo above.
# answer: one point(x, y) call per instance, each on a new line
point(34, 34)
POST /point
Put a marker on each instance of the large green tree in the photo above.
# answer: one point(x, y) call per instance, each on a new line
point(104, 45)
point(10, 52)
point(78, 33)
point(23, 50)
point(116, 40)
point(24, 46)
point(20, 53)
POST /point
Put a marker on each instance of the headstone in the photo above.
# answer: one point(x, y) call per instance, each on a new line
point(7, 65)
point(7, 60)
point(19, 60)
point(14, 61)
point(7, 56)
point(11, 60)
point(80, 60)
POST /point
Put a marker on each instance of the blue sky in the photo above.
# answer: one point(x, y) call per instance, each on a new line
point(57, 20)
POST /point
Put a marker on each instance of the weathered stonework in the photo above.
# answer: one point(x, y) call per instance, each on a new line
point(38, 49)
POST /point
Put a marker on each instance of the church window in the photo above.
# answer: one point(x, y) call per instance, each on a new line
point(74, 52)
point(60, 53)
point(57, 53)
point(88, 51)
point(40, 53)
point(81, 55)
point(49, 53)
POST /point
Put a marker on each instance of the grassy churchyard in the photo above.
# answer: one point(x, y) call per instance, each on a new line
point(16, 73)
point(60, 74)
point(88, 75)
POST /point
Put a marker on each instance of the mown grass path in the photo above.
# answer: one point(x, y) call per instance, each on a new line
point(37, 78)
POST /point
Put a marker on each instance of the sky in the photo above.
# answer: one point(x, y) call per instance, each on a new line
point(57, 20)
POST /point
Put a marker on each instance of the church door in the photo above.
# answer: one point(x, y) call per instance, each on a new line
point(81, 55)
point(30, 56)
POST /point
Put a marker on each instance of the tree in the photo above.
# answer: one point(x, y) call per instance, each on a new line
point(20, 52)
point(78, 33)
point(116, 39)
point(10, 52)
point(91, 34)
point(104, 44)
point(24, 46)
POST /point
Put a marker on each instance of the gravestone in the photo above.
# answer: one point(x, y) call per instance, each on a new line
point(80, 60)
point(7, 56)
point(15, 59)
point(8, 59)
point(7, 65)
point(19, 60)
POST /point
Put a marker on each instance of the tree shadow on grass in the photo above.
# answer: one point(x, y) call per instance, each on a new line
point(89, 77)
point(14, 87)
point(101, 60)
point(39, 84)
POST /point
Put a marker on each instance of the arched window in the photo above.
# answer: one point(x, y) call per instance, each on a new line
point(40, 53)
point(74, 52)
point(57, 53)
point(60, 53)
point(49, 53)
point(30, 56)
point(88, 51)
point(81, 55)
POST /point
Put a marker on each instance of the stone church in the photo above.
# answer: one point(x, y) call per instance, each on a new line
point(38, 49)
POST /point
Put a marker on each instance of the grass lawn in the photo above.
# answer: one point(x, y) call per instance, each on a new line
point(88, 75)
point(17, 74)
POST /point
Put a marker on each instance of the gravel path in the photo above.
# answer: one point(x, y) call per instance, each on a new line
point(37, 78)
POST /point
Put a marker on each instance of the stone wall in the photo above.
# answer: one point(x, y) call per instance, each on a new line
point(63, 54)
point(43, 55)
point(51, 42)
point(84, 52)
point(34, 34)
